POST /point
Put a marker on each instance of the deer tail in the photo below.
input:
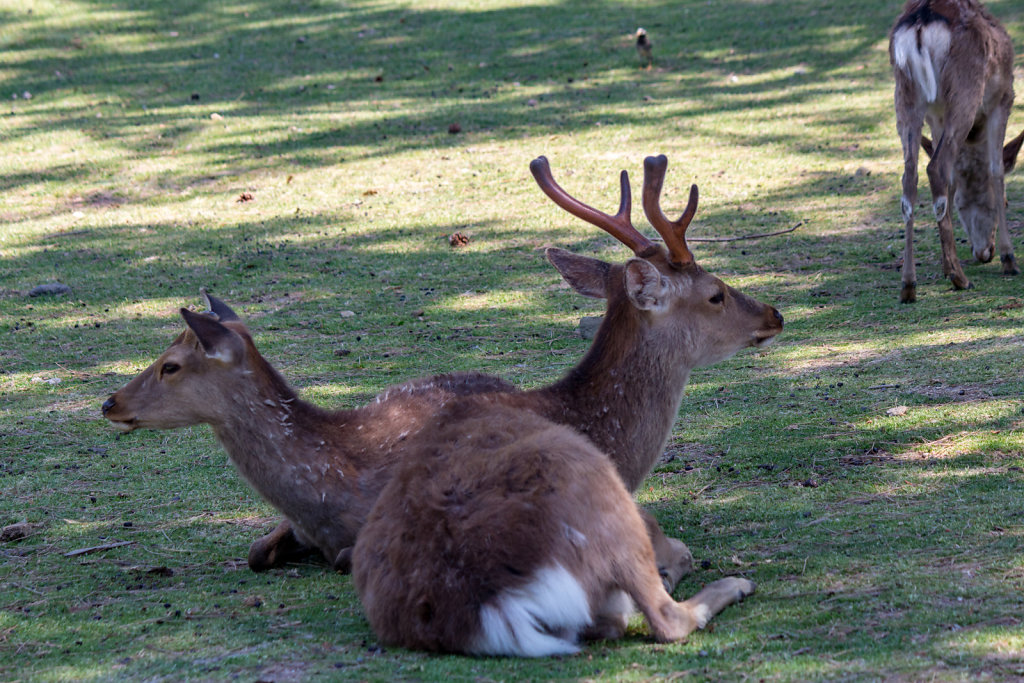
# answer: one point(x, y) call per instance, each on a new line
point(920, 52)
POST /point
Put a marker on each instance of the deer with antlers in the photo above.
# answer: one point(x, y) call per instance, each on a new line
point(485, 520)
point(953, 66)
point(324, 470)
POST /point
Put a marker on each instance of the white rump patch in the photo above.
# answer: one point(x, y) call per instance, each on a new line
point(540, 619)
point(923, 65)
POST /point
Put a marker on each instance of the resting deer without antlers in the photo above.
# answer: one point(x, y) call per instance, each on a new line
point(504, 533)
point(953, 66)
point(665, 316)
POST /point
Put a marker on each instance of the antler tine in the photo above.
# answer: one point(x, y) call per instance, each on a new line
point(673, 232)
point(618, 226)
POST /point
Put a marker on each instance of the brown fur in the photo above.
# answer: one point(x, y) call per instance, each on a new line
point(662, 320)
point(492, 495)
point(968, 120)
point(322, 469)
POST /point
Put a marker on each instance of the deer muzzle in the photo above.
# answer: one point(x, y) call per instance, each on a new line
point(765, 336)
point(120, 422)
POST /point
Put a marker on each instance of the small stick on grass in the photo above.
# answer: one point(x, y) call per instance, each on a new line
point(743, 237)
point(96, 548)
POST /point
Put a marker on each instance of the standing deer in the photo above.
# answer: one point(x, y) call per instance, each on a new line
point(665, 316)
point(953, 66)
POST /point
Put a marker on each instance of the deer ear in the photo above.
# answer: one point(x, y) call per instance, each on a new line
point(645, 286)
point(217, 307)
point(926, 145)
point(217, 340)
point(584, 274)
point(1010, 152)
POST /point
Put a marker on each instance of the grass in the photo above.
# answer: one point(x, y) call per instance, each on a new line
point(885, 546)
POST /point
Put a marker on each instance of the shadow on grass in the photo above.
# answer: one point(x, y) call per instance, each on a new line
point(144, 75)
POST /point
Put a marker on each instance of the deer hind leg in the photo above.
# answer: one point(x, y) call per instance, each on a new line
point(673, 557)
point(910, 137)
point(669, 620)
point(940, 178)
point(280, 546)
point(673, 621)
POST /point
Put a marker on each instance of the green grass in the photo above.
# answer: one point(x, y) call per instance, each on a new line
point(885, 546)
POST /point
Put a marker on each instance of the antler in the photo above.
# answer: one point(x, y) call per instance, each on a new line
point(618, 226)
point(673, 232)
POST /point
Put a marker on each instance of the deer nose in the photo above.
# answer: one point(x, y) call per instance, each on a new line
point(108, 404)
point(778, 316)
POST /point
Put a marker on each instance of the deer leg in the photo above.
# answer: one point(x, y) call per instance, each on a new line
point(277, 548)
point(1006, 256)
point(611, 618)
point(910, 138)
point(343, 560)
point(673, 621)
point(996, 133)
point(716, 596)
point(908, 274)
point(637, 574)
point(940, 178)
point(673, 557)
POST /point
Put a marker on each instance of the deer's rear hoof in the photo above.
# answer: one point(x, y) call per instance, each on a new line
point(1009, 265)
point(908, 294)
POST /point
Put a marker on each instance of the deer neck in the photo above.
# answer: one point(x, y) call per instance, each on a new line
point(624, 394)
point(296, 455)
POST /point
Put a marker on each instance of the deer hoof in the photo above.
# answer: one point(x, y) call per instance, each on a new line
point(908, 294)
point(1009, 265)
point(343, 561)
point(263, 556)
point(960, 282)
point(744, 587)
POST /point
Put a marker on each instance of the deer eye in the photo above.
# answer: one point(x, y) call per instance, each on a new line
point(718, 298)
point(169, 368)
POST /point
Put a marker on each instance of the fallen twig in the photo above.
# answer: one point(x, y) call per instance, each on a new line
point(96, 548)
point(744, 237)
point(884, 386)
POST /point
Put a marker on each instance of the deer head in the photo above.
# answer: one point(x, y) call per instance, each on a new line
point(210, 359)
point(676, 302)
point(975, 192)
